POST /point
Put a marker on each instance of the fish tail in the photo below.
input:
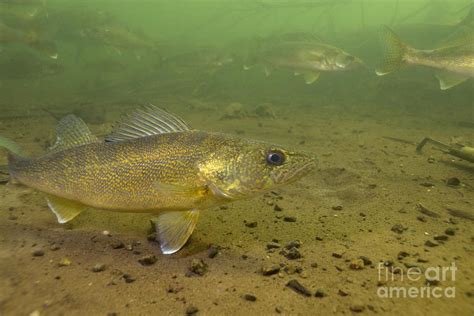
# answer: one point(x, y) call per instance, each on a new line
point(395, 51)
point(15, 152)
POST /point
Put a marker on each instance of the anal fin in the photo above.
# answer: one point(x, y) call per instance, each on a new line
point(174, 229)
point(311, 77)
point(448, 79)
point(65, 210)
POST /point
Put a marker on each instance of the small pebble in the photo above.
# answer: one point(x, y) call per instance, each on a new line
point(342, 292)
point(213, 251)
point(54, 247)
point(357, 264)
point(398, 228)
point(319, 293)
point(273, 245)
point(270, 269)
point(289, 219)
point(367, 261)
point(450, 231)
point(298, 287)
point(38, 253)
point(402, 254)
point(293, 253)
point(147, 260)
point(128, 278)
point(251, 224)
point(191, 310)
point(250, 297)
point(337, 207)
point(198, 266)
point(337, 255)
point(98, 267)
point(453, 182)
point(64, 262)
point(117, 244)
point(277, 208)
point(441, 237)
point(356, 308)
point(293, 244)
point(430, 243)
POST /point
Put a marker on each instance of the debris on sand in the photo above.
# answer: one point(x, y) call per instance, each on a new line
point(292, 253)
point(453, 182)
point(430, 243)
point(250, 297)
point(450, 231)
point(64, 262)
point(250, 224)
point(198, 267)
point(298, 287)
point(213, 251)
point(270, 269)
point(191, 310)
point(319, 293)
point(98, 267)
point(424, 210)
point(147, 260)
point(38, 253)
point(357, 264)
point(398, 228)
point(128, 278)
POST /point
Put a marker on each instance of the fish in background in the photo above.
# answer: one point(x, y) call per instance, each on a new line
point(453, 60)
point(303, 54)
point(32, 39)
point(153, 163)
point(118, 37)
point(23, 64)
point(203, 59)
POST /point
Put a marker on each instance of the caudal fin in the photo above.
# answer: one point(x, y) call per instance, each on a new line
point(394, 52)
point(14, 150)
point(11, 146)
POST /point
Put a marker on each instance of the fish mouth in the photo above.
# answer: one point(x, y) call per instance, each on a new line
point(297, 172)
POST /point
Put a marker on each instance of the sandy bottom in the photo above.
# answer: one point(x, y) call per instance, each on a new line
point(374, 210)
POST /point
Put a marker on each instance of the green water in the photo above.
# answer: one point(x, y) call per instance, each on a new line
point(218, 64)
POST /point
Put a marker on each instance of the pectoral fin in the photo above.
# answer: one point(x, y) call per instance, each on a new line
point(311, 77)
point(65, 210)
point(174, 229)
point(448, 79)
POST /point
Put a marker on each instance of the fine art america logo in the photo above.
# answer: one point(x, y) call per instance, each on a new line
point(434, 276)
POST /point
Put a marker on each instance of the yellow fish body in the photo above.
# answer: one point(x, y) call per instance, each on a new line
point(154, 163)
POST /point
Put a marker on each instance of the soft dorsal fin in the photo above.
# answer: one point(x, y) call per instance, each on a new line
point(72, 132)
point(150, 120)
point(174, 229)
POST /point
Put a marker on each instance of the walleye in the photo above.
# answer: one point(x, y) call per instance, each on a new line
point(9, 35)
point(454, 61)
point(304, 56)
point(153, 163)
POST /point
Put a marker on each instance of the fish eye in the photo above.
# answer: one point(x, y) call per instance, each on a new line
point(275, 158)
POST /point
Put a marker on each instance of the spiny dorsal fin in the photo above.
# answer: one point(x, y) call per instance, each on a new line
point(65, 210)
point(150, 120)
point(174, 229)
point(72, 132)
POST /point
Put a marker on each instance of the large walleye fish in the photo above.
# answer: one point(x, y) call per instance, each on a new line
point(153, 163)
